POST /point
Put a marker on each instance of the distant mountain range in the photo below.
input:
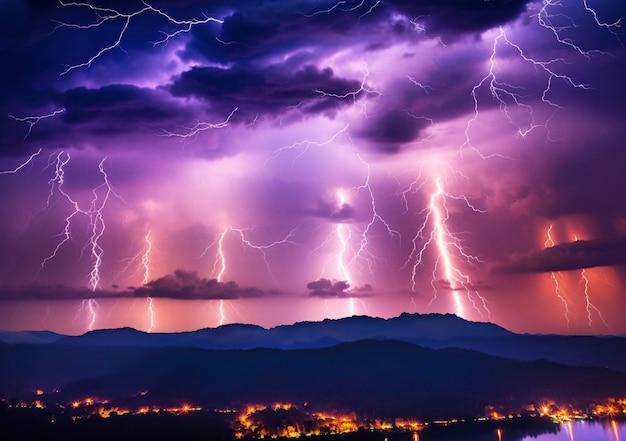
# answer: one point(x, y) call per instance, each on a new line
point(412, 365)
point(435, 331)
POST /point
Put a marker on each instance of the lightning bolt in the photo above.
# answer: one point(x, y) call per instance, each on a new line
point(89, 305)
point(220, 261)
point(446, 274)
point(97, 226)
point(589, 306)
point(22, 165)
point(363, 88)
point(145, 261)
point(108, 15)
point(343, 233)
point(305, 145)
point(220, 266)
point(32, 121)
point(263, 248)
point(188, 132)
point(363, 252)
point(510, 97)
point(343, 2)
point(547, 20)
point(554, 276)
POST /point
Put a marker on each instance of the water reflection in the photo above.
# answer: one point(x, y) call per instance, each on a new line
point(615, 430)
point(582, 431)
point(569, 431)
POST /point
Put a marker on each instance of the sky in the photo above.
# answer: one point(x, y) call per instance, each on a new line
point(176, 165)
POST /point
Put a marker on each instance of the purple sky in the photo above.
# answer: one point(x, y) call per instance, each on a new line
point(194, 163)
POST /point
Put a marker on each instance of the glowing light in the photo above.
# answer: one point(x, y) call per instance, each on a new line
point(570, 430)
point(615, 430)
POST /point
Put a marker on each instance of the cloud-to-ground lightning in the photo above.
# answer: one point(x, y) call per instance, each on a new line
point(589, 306)
point(361, 253)
point(446, 275)
point(145, 262)
point(554, 276)
point(98, 226)
point(89, 307)
point(105, 15)
point(145, 259)
point(222, 269)
point(220, 263)
point(344, 233)
point(519, 81)
point(95, 217)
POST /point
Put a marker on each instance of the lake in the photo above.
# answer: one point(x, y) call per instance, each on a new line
point(533, 430)
point(583, 431)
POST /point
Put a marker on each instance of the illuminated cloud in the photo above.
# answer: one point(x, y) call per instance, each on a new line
point(336, 289)
point(272, 90)
point(182, 285)
point(321, 127)
point(571, 256)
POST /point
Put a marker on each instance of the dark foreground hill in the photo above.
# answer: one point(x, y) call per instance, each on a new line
point(383, 378)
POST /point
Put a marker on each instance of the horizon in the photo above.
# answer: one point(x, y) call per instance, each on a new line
point(172, 166)
point(321, 320)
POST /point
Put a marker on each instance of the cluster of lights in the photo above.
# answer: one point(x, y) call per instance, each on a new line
point(296, 421)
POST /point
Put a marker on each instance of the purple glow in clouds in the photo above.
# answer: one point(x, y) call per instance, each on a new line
point(175, 165)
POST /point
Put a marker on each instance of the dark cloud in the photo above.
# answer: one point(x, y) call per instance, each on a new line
point(388, 131)
point(40, 291)
point(257, 30)
point(336, 289)
point(273, 90)
point(570, 256)
point(88, 114)
point(187, 285)
point(120, 108)
point(451, 18)
point(182, 285)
